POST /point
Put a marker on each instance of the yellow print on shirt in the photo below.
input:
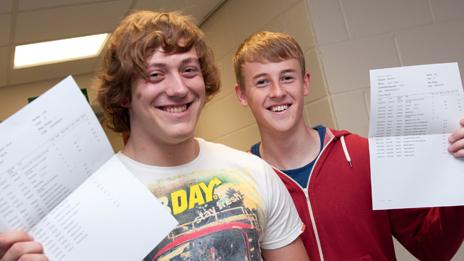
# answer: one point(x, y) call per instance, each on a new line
point(220, 214)
point(195, 195)
point(184, 193)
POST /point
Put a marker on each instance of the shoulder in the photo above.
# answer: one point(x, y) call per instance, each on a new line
point(356, 141)
point(218, 150)
point(220, 156)
point(356, 146)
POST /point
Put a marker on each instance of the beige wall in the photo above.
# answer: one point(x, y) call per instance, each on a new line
point(342, 40)
point(15, 97)
point(354, 36)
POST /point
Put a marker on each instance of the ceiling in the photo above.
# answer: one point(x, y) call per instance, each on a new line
point(29, 21)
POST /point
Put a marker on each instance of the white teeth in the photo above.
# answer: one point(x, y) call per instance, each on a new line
point(175, 109)
point(279, 108)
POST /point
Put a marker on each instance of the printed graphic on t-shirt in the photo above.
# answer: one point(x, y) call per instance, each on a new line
point(218, 213)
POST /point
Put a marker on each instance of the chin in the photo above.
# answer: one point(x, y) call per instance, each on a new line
point(177, 138)
point(282, 127)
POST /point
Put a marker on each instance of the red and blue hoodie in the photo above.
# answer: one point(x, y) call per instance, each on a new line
point(337, 210)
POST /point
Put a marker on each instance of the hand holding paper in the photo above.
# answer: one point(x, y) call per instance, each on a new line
point(60, 182)
point(456, 140)
point(413, 112)
point(18, 244)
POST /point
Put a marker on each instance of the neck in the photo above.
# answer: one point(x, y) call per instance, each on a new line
point(291, 149)
point(164, 154)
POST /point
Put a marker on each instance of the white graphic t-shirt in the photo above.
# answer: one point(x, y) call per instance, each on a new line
point(229, 205)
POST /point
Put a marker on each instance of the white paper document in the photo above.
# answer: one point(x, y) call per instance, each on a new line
point(413, 111)
point(60, 181)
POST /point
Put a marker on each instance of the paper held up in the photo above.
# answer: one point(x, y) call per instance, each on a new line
point(413, 111)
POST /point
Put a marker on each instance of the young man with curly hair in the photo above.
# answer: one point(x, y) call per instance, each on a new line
point(156, 77)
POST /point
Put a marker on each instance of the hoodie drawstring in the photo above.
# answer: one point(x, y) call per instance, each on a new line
point(345, 151)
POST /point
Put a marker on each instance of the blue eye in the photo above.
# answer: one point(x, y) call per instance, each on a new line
point(191, 71)
point(155, 76)
point(262, 83)
point(287, 78)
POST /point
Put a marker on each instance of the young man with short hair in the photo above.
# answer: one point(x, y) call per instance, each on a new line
point(157, 75)
point(330, 185)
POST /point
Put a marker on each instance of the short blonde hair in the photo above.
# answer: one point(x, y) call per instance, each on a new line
point(266, 46)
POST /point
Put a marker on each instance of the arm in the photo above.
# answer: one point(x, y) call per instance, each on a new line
point(17, 245)
point(283, 227)
point(293, 251)
point(429, 234)
point(433, 233)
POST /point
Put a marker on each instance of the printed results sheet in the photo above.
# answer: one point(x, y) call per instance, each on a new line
point(60, 182)
point(413, 111)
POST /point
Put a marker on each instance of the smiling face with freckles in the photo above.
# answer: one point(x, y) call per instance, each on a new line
point(165, 107)
point(275, 92)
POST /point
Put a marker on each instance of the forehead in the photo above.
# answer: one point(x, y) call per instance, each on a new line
point(253, 69)
point(160, 57)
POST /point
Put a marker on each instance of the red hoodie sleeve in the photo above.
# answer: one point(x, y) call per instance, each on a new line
point(431, 233)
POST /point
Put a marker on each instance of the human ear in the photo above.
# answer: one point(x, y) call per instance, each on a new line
point(124, 103)
point(306, 82)
point(240, 95)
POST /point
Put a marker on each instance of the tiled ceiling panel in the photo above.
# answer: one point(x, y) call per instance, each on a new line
point(6, 6)
point(4, 29)
point(52, 71)
point(71, 21)
point(25, 5)
point(197, 9)
point(30, 21)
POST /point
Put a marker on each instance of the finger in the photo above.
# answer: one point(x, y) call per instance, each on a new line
point(34, 257)
point(459, 154)
point(23, 250)
point(457, 134)
point(7, 239)
point(456, 145)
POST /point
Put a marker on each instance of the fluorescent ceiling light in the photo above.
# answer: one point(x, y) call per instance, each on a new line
point(29, 55)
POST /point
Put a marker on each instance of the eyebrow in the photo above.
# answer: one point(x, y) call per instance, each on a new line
point(190, 60)
point(288, 71)
point(185, 61)
point(259, 75)
point(282, 72)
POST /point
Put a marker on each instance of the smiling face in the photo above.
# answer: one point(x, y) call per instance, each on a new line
point(275, 92)
point(165, 107)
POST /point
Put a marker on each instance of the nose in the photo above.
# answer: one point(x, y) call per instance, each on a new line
point(277, 90)
point(176, 86)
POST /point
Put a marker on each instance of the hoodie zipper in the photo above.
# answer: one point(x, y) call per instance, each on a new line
point(311, 215)
point(313, 223)
point(305, 190)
